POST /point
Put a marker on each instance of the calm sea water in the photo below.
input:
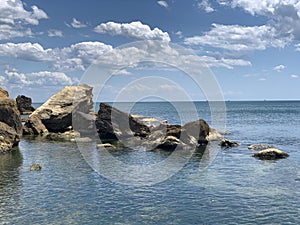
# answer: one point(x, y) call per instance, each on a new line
point(234, 189)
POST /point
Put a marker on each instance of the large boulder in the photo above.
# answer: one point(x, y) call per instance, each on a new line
point(24, 104)
point(71, 106)
point(10, 122)
point(114, 124)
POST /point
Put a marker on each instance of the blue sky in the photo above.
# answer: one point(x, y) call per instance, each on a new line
point(252, 47)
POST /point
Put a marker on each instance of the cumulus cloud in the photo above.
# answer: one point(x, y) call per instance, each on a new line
point(77, 24)
point(294, 76)
point(55, 33)
point(38, 78)
point(279, 68)
point(75, 57)
point(238, 38)
point(297, 47)
point(14, 18)
point(163, 4)
point(206, 6)
point(284, 15)
point(135, 30)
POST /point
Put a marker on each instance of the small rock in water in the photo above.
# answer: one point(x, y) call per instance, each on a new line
point(259, 146)
point(36, 167)
point(270, 154)
point(106, 145)
point(225, 143)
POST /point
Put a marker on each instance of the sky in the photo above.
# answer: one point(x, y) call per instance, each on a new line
point(251, 47)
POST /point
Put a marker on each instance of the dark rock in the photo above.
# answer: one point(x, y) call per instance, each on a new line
point(113, 124)
point(24, 104)
point(10, 114)
point(270, 154)
point(8, 138)
point(169, 143)
point(225, 143)
point(10, 122)
point(70, 106)
point(34, 126)
point(35, 167)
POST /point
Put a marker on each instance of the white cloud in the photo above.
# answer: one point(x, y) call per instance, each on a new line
point(14, 17)
point(47, 78)
point(206, 6)
point(163, 4)
point(279, 68)
point(262, 79)
point(77, 24)
point(135, 30)
point(179, 34)
point(238, 38)
point(55, 33)
point(284, 15)
point(297, 47)
point(75, 57)
point(294, 76)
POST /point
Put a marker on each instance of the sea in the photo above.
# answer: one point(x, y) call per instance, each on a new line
point(214, 186)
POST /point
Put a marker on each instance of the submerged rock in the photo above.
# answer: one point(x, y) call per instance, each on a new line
point(225, 143)
point(35, 167)
point(24, 105)
point(106, 145)
point(259, 146)
point(72, 104)
point(270, 154)
point(10, 122)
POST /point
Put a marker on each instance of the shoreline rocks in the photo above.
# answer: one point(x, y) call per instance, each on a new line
point(10, 123)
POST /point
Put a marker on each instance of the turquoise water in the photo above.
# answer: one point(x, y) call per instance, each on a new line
point(234, 189)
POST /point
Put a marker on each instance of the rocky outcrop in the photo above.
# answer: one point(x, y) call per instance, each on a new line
point(270, 154)
point(114, 124)
point(35, 167)
point(24, 105)
point(10, 122)
point(117, 125)
point(71, 108)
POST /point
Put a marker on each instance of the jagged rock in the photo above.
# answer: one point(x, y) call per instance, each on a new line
point(24, 105)
point(8, 138)
point(34, 126)
point(225, 143)
point(10, 114)
point(259, 146)
point(3, 93)
point(270, 154)
point(10, 122)
point(72, 104)
point(35, 167)
point(112, 123)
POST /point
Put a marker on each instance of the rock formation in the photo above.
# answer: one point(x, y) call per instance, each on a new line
point(71, 106)
point(10, 122)
point(114, 124)
point(24, 105)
